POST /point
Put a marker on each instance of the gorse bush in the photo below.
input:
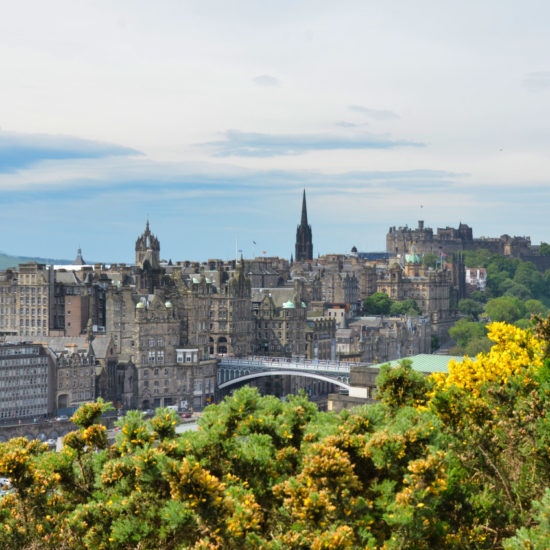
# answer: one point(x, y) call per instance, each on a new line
point(452, 461)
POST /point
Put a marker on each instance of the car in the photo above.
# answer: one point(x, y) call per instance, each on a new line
point(62, 417)
point(52, 442)
point(186, 415)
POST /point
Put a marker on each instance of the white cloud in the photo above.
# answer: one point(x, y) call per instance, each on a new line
point(266, 80)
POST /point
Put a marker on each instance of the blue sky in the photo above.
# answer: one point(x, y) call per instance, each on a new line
point(209, 118)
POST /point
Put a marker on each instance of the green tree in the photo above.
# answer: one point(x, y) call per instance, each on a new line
point(430, 260)
point(505, 308)
point(536, 307)
point(406, 307)
point(471, 308)
point(378, 303)
point(544, 249)
point(464, 331)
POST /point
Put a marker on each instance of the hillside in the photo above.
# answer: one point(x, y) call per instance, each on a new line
point(7, 261)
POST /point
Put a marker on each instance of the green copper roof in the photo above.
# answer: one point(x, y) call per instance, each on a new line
point(412, 258)
point(426, 362)
point(289, 305)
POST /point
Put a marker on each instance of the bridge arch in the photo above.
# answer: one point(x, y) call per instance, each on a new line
point(335, 381)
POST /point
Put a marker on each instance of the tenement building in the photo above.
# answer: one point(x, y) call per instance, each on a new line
point(27, 383)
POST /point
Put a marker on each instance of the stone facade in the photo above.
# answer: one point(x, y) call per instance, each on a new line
point(280, 321)
point(27, 381)
point(449, 240)
point(431, 289)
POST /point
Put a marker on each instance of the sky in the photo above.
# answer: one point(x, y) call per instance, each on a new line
point(209, 118)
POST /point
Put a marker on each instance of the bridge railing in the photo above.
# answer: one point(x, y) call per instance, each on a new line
point(283, 362)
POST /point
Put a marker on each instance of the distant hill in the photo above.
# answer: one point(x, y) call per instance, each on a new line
point(13, 261)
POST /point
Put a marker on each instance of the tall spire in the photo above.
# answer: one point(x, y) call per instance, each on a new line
point(304, 242)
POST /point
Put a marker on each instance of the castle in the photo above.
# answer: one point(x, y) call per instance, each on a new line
point(449, 240)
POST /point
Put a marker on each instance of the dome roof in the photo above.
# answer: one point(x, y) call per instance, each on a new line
point(289, 305)
point(140, 305)
point(412, 258)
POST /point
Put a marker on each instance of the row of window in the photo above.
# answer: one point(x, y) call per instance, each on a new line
point(32, 323)
point(37, 410)
point(159, 342)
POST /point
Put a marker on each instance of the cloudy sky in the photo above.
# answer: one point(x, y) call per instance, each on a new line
point(210, 117)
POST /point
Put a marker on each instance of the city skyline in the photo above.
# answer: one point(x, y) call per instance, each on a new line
point(209, 120)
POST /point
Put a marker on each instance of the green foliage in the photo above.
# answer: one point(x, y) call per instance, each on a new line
point(431, 465)
point(406, 307)
point(401, 386)
point(380, 303)
point(430, 260)
point(506, 308)
point(377, 304)
point(544, 249)
point(471, 308)
point(538, 536)
point(463, 332)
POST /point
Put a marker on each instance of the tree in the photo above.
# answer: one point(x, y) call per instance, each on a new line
point(378, 303)
point(464, 331)
point(536, 307)
point(505, 308)
point(470, 307)
point(430, 260)
point(544, 249)
point(406, 307)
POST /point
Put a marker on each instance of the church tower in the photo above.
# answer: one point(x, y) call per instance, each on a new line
point(304, 240)
point(147, 248)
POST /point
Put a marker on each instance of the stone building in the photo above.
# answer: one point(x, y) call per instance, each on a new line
point(280, 321)
point(150, 317)
point(389, 338)
point(320, 338)
point(75, 374)
point(35, 292)
point(230, 316)
point(449, 240)
point(8, 302)
point(431, 289)
point(27, 381)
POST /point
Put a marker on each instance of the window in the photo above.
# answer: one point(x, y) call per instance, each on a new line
point(160, 357)
point(160, 342)
point(151, 342)
point(151, 357)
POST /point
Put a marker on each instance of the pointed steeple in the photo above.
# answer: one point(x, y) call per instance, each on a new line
point(304, 241)
point(304, 210)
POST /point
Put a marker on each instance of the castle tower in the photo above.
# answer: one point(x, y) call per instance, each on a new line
point(304, 240)
point(147, 247)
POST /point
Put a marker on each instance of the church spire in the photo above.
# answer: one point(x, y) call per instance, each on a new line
point(304, 241)
point(304, 209)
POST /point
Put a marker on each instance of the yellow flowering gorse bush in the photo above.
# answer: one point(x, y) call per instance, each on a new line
point(515, 351)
